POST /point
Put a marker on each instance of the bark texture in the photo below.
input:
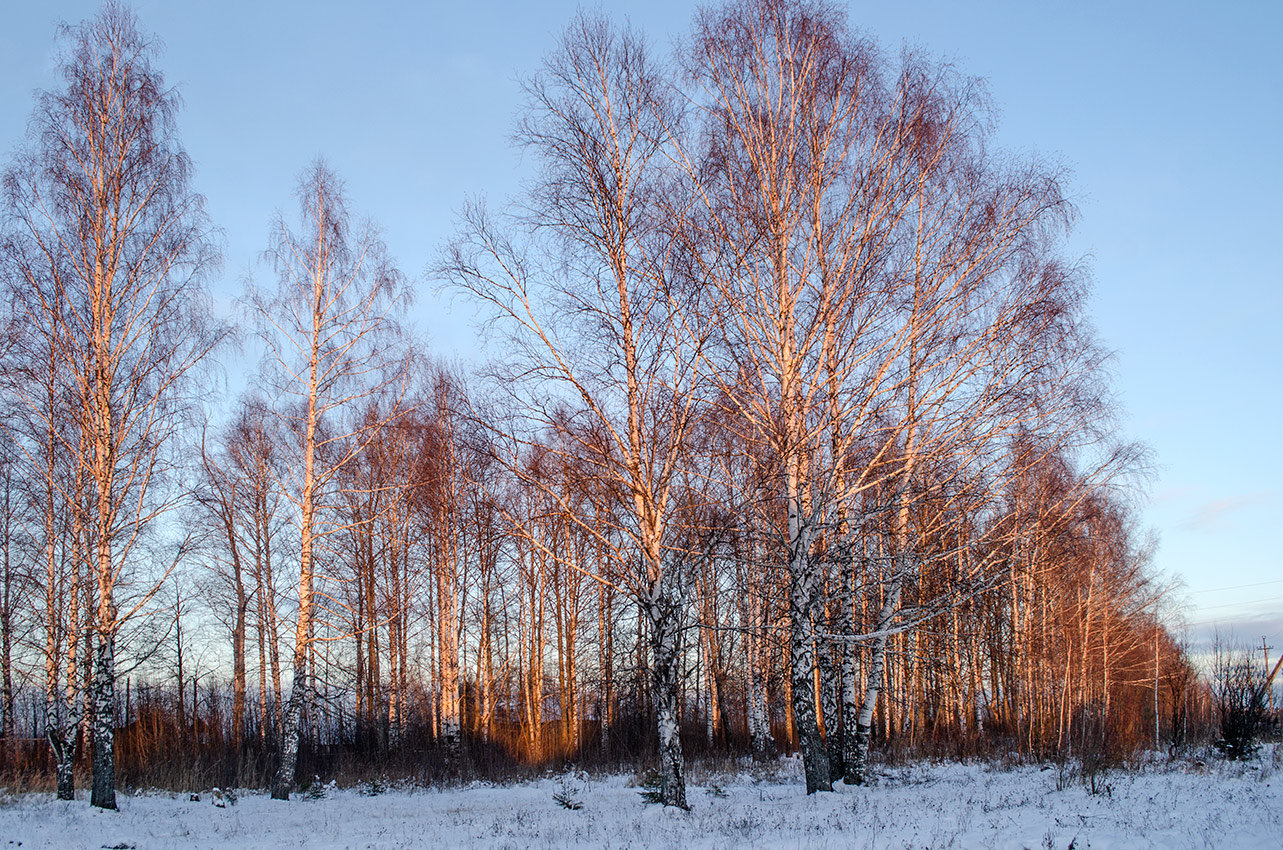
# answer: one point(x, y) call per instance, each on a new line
point(104, 762)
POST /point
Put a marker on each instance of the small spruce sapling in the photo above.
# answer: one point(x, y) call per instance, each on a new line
point(570, 789)
point(650, 783)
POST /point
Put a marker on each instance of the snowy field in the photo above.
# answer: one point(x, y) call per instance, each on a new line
point(930, 806)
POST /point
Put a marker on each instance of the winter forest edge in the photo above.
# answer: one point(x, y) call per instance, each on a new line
point(794, 437)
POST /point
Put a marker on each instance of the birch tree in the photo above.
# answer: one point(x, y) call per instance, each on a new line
point(332, 340)
point(896, 304)
point(597, 295)
point(111, 245)
point(800, 177)
point(38, 426)
point(993, 347)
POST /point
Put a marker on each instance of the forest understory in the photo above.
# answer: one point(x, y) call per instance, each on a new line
point(1196, 801)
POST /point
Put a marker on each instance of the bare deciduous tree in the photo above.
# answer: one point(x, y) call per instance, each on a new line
point(111, 246)
point(802, 180)
point(607, 349)
point(332, 341)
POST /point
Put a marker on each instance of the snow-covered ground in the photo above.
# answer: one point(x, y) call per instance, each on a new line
point(1182, 805)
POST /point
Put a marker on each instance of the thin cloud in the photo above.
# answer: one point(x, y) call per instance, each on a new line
point(1208, 516)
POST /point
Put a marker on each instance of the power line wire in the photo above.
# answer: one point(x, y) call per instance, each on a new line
point(1238, 586)
point(1236, 604)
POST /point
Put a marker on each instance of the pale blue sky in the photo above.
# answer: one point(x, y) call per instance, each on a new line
point(1168, 113)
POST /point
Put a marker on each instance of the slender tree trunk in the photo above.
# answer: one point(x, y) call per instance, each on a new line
point(179, 655)
point(665, 685)
point(238, 664)
point(759, 726)
point(65, 731)
point(284, 781)
point(273, 629)
point(713, 679)
point(448, 557)
point(396, 628)
point(850, 687)
point(291, 726)
point(448, 635)
point(857, 763)
point(104, 762)
point(758, 717)
point(283, 784)
point(6, 616)
point(373, 674)
point(606, 646)
point(263, 719)
point(830, 676)
point(802, 591)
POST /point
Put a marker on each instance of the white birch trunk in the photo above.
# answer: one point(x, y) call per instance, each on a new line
point(857, 764)
point(664, 679)
point(291, 724)
point(104, 761)
point(802, 592)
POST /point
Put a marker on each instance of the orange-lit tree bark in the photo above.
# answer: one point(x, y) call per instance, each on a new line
point(332, 341)
point(442, 504)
